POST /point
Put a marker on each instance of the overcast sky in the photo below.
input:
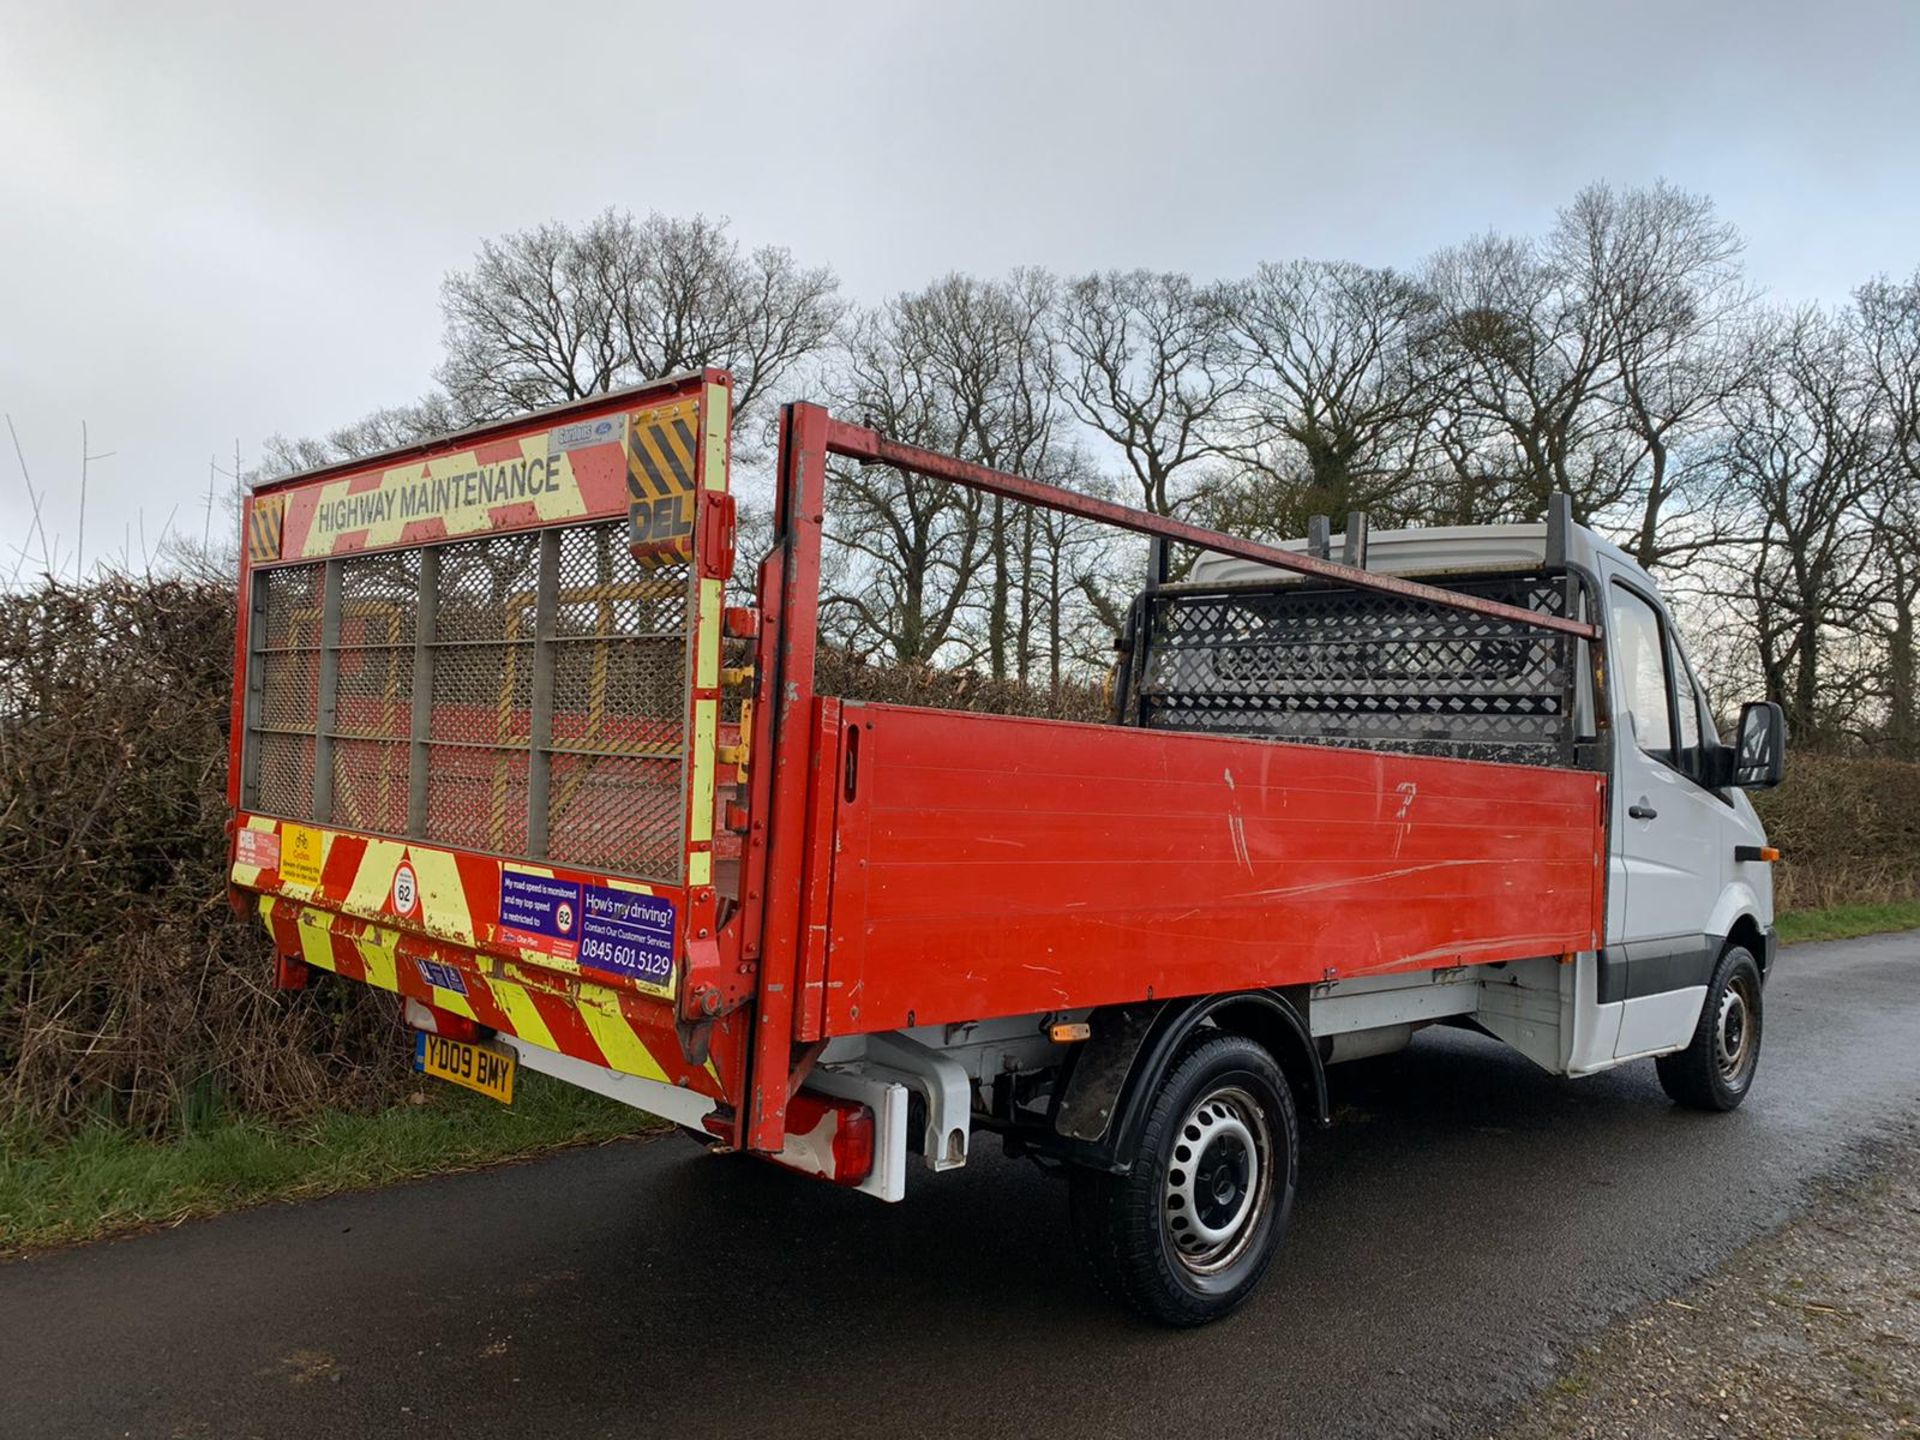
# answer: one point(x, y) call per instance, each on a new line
point(222, 221)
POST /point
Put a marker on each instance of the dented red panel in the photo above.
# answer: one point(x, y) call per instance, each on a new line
point(989, 865)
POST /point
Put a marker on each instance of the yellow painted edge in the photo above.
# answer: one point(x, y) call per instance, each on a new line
point(443, 898)
point(707, 637)
point(706, 721)
point(716, 419)
point(519, 1008)
point(619, 1043)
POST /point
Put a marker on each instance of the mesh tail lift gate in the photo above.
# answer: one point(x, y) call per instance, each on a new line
point(482, 695)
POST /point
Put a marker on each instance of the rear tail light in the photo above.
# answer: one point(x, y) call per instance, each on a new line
point(435, 1021)
point(830, 1138)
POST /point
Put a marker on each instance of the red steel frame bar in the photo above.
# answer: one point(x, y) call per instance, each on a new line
point(787, 746)
point(861, 444)
point(787, 700)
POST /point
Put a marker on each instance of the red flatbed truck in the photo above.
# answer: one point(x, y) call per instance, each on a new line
point(501, 746)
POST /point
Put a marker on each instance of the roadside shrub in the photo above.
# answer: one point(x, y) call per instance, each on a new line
point(1848, 831)
point(838, 672)
point(129, 990)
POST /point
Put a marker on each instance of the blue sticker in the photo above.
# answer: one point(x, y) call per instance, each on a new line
point(628, 934)
point(438, 972)
point(540, 912)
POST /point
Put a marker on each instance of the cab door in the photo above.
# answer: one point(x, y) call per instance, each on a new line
point(1667, 861)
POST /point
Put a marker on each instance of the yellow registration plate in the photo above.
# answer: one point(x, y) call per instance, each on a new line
point(478, 1067)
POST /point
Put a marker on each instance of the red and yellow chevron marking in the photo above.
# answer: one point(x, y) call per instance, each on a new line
point(457, 903)
point(266, 516)
point(591, 1022)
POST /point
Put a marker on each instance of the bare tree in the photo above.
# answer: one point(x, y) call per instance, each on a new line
point(433, 414)
point(1593, 356)
point(1667, 277)
point(965, 366)
point(555, 313)
point(1335, 412)
point(1886, 321)
point(1148, 363)
point(913, 544)
point(1528, 361)
point(1801, 447)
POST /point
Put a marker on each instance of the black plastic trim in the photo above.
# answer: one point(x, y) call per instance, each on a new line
point(1636, 968)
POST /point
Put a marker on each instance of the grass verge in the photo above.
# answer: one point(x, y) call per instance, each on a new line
point(1844, 922)
point(102, 1181)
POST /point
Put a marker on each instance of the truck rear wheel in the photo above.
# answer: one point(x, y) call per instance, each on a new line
point(1185, 1236)
point(1715, 1071)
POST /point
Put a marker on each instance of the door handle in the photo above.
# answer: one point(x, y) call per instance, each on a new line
point(1643, 811)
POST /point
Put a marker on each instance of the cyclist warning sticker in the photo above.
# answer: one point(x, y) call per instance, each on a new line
point(302, 850)
point(628, 933)
point(538, 912)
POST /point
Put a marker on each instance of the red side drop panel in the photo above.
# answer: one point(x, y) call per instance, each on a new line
point(987, 865)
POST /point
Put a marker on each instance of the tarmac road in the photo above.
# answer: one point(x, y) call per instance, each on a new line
point(1466, 1222)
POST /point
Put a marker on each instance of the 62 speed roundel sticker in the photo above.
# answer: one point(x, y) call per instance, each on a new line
point(406, 890)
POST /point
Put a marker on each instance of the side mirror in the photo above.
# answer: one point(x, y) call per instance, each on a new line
point(1760, 749)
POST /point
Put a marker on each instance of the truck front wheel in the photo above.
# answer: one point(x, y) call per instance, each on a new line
point(1716, 1070)
point(1185, 1236)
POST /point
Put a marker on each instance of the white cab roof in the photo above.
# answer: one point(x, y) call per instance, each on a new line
point(1433, 550)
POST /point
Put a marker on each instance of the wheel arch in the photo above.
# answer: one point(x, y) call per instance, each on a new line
point(1110, 1088)
point(1747, 932)
point(1735, 917)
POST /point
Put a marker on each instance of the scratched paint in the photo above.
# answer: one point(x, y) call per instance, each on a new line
point(1100, 854)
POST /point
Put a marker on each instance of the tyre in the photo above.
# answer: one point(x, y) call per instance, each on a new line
point(1716, 1069)
point(1186, 1235)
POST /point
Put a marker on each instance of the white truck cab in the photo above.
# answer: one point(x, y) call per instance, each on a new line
point(1689, 884)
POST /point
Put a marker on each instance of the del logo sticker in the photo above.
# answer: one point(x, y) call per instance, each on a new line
point(259, 848)
point(406, 890)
